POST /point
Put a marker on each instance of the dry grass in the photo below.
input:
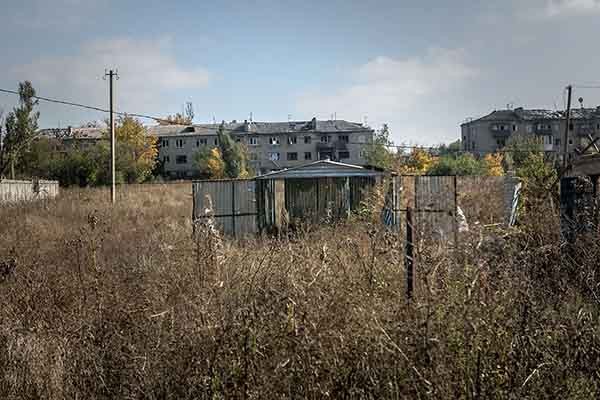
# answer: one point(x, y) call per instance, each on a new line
point(124, 303)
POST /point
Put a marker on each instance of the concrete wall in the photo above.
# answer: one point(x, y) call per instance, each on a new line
point(12, 191)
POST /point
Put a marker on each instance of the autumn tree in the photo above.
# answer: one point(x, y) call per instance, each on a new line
point(378, 152)
point(418, 162)
point(136, 150)
point(20, 129)
point(234, 155)
point(493, 164)
point(180, 119)
point(210, 163)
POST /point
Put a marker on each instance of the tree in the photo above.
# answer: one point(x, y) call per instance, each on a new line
point(450, 149)
point(418, 162)
point(210, 163)
point(378, 153)
point(519, 148)
point(180, 119)
point(20, 128)
point(233, 154)
point(493, 164)
point(464, 164)
point(136, 151)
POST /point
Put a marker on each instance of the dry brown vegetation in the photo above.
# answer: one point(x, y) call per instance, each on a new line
point(123, 302)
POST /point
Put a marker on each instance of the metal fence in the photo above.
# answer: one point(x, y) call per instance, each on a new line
point(435, 202)
point(231, 202)
point(14, 191)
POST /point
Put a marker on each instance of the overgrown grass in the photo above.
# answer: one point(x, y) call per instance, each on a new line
point(125, 302)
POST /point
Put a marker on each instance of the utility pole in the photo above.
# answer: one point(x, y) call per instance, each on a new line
point(111, 75)
point(568, 122)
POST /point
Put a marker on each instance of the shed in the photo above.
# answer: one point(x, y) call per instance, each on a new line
point(315, 192)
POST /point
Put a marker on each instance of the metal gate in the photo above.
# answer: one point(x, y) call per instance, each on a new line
point(432, 201)
point(232, 203)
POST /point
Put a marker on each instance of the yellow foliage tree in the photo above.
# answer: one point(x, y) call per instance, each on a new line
point(493, 164)
point(210, 163)
point(418, 162)
point(136, 151)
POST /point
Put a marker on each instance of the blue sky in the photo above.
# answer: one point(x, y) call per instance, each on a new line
point(420, 66)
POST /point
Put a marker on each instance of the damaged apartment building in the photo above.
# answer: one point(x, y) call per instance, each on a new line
point(270, 145)
point(491, 133)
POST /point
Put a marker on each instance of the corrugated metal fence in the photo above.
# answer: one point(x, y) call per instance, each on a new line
point(231, 202)
point(435, 201)
point(13, 191)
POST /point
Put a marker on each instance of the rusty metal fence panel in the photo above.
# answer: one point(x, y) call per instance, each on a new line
point(231, 202)
point(435, 201)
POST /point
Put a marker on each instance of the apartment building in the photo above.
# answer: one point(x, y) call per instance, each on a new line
point(66, 139)
point(491, 132)
point(270, 145)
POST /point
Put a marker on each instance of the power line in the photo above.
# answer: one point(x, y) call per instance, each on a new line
point(88, 107)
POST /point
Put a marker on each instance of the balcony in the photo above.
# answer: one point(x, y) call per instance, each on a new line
point(500, 131)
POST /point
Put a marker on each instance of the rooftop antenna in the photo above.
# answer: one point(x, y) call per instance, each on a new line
point(581, 102)
point(289, 118)
point(365, 119)
point(214, 120)
point(335, 115)
point(251, 120)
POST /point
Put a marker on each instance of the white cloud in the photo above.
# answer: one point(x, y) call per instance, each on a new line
point(147, 68)
point(402, 92)
point(571, 7)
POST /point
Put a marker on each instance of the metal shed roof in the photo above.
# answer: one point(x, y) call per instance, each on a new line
point(322, 169)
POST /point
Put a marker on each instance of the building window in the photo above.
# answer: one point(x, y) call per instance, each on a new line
point(292, 140)
point(292, 156)
point(203, 142)
point(253, 156)
point(253, 141)
point(307, 155)
point(557, 142)
point(181, 160)
point(570, 141)
point(179, 143)
point(362, 154)
point(325, 139)
point(166, 159)
point(216, 141)
point(344, 155)
point(165, 143)
point(514, 128)
point(274, 156)
point(501, 142)
point(274, 141)
point(529, 129)
point(307, 140)
point(344, 138)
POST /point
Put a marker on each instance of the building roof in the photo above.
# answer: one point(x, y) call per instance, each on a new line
point(90, 133)
point(322, 169)
point(538, 115)
point(260, 128)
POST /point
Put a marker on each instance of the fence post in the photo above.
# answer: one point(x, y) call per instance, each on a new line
point(233, 208)
point(408, 257)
